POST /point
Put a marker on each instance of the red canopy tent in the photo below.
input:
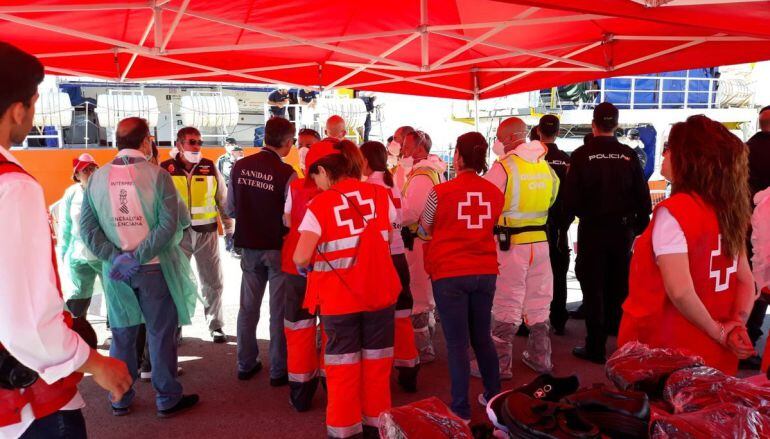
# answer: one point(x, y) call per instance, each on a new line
point(446, 48)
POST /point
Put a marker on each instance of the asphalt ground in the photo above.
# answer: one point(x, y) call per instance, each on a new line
point(252, 409)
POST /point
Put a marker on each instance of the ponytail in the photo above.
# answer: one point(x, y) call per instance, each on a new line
point(472, 147)
point(377, 157)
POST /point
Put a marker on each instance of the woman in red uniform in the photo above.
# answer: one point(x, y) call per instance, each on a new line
point(300, 324)
point(690, 285)
point(461, 260)
point(405, 355)
point(344, 234)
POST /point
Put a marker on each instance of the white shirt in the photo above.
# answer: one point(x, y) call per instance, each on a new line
point(32, 327)
point(396, 241)
point(416, 194)
point(667, 235)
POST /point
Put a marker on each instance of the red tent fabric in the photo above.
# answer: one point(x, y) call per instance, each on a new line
point(444, 48)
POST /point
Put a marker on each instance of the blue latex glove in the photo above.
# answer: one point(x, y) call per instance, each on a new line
point(229, 243)
point(304, 271)
point(124, 267)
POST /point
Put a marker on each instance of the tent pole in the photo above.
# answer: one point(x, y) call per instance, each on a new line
point(475, 100)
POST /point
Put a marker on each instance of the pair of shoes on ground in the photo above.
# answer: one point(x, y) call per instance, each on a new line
point(218, 336)
point(584, 354)
point(186, 403)
point(274, 382)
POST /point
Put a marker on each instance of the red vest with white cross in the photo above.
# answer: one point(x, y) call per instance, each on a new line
point(648, 314)
point(302, 191)
point(44, 398)
point(463, 241)
point(334, 284)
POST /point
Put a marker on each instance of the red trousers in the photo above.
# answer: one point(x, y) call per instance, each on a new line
point(358, 360)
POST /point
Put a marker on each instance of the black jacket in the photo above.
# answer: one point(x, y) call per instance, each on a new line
point(257, 194)
point(606, 186)
point(559, 162)
point(759, 161)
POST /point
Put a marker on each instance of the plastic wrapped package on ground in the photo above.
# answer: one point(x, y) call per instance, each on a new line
point(697, 388)
point(425, 419)
point(722, 421)
point(617, 413)
point(636, 366)
point(526, 418)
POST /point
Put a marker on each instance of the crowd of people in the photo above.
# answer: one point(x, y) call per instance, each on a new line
point(364, 253)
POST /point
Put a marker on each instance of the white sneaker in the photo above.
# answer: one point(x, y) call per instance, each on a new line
point(146, 377)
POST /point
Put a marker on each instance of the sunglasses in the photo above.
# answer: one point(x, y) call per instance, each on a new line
point(194, 142)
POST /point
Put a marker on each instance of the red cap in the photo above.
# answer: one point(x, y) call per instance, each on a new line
point(319, 150)
point(82, 162)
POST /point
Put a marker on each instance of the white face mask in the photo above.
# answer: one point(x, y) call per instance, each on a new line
point(302, 155)
point(192, 157)
point(394, 148)
point(174, 152)
point(498, 148)
point(406, 162)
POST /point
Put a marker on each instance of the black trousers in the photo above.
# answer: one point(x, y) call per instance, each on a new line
point(64, 424)
point(559, 253)
point(602, 266)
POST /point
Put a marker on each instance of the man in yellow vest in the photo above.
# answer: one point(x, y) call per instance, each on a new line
point(525, 284)
point(424, 171)
point(203, 190)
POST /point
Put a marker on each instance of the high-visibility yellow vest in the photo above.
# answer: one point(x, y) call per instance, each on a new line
point(199, 195)
point(530, 191)
point(429, 172)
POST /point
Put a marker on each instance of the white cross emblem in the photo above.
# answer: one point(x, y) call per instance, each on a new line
point(352, 217)
point(716, 274)
point(474, 213)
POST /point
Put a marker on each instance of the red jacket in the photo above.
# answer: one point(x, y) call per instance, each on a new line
point(463, 242)
point(44, 398)
point(648, 314)
point(302, 191)
point(352, 269)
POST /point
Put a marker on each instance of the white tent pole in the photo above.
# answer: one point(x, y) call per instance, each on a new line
point(209, 74)
point(523, 51)
point(660, 53)
point(483, 37)
point(477, 61)
point(286, 36)
point(476, 100)
point(548, 64)
point(384, 54)
point(72, 7)
point(141, 43)
point(528, 22)
point(174, 24)
point(424, 47)
point(75, 33)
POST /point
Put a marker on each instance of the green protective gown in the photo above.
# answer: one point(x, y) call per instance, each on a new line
point(105, 195)
point(79, 267)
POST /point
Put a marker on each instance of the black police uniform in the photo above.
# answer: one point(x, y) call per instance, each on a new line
point(299, 95)
point(277, 96)
point(556, 228)
point(607, 191)
point(759, 180)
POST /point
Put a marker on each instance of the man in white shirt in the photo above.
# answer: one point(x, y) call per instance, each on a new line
point(33, 328)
